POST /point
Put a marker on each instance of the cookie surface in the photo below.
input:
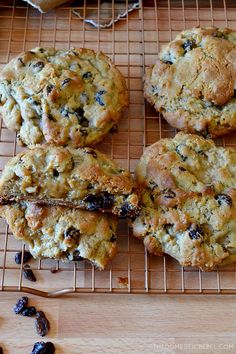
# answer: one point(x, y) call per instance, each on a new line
point(193, 82)
point(83, 178)
point(63, 233)
point(187, 187)
point(71, 97)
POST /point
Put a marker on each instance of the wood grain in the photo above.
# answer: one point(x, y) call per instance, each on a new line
point(124, 324)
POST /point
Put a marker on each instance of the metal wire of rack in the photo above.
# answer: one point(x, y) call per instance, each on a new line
point(132, 43)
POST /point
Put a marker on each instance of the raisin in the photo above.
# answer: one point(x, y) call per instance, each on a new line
point(79, 112)
point(189, 45)
point(21, 61)
point(41, 323)
point(41, 50)
point(167, 62)
point(55, 173)
point(20, 305)
point(39, 65)
point(50, 117)
point(125, 209)
point(182, 168)
point(66, 81)
point(28, 273)
point(223, 198)
point(54, 270)
point(195, 232)
point(177, 149)
point(99, 98)
point(114, 129)
point(26, 257)
point(77, 257)
point(72, 233)
point(87, 75)
point(113, 238)
point(97, 202)
point(168, 193)
point(43, 348)
point(29, 311)
point(49, 88)
point(93, 153)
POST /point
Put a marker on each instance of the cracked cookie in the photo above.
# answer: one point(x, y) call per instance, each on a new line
point(64, 97)
point(187, 188)
point(82, 178)
point(193, 82)
point(62, 233)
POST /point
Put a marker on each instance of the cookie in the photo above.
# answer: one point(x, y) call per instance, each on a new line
point(64, 97)
point(83, 178)
point(187, 187)
point(193, 82)
point(63, 233)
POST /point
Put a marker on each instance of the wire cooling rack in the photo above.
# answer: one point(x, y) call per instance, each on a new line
point(132, 43)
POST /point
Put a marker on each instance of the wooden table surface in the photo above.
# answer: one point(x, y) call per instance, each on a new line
point(124, 324)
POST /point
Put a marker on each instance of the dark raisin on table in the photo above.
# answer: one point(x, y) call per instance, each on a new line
point(28, 273)
point(41, 323)
point(26, 257)
point(20, 305)
point(29, 311)
point(43, 348)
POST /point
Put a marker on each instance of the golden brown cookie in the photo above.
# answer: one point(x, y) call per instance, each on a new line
point(187, 187)
point(193, 81)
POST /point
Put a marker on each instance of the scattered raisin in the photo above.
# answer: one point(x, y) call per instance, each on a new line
point(87, 75)
point(189, 45)
point(177, 149)
point(224, 198)
point(28, 273)
point(113, 238)
point(39, 65)
point(41, 323)
point(99, 98)
point(97, 202)
point(72, 233)
point(77, 257)
point(55, 173)
point(195, 232)
point(53, 270)
point(41, 50)
point(43, 348)
point(66, 81)
point(182, 168)
point(79, 112)
point(26, 257)
point(29, 311)
point(20, 305)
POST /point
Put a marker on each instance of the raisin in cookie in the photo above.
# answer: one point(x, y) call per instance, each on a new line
point(187, 187)
point(71, 97)
point(63, 233)
point(83, 178)
point(193, 82)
